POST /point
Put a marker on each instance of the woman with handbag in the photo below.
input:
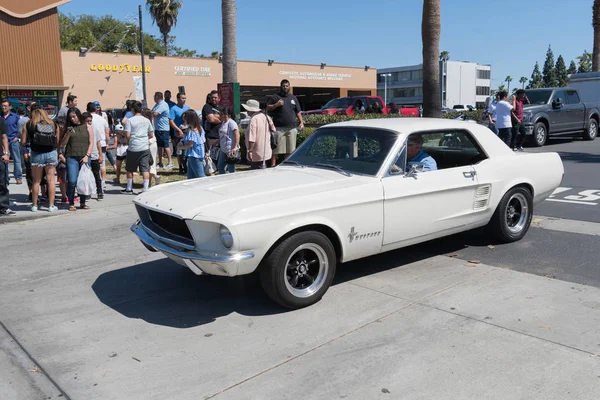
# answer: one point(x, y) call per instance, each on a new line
point(229, 141)
point(192, 145)
point(78, 142)
point(258, 136)
point(45, 137)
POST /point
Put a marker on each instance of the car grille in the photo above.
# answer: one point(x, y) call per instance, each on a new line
point(166, 225)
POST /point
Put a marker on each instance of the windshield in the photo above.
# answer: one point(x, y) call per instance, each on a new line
point(458, 107)
point(354, 150)
point(343, 102)
point(538, 97)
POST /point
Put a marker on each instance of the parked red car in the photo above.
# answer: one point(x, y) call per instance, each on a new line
point(352, 105)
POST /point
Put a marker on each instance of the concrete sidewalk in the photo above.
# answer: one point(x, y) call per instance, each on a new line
point(118, 322)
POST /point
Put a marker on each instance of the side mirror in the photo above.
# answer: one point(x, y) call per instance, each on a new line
point(414, 170)
point(557, 104)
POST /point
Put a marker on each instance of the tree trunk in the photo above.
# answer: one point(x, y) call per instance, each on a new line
point(430, 34)
point(596, 25)
point(228, 10)
point(166, 43)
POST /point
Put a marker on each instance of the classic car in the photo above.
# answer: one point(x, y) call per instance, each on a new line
point(346, 193)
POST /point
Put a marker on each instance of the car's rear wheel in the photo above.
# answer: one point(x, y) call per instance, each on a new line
point(299, 270)
point(512, 218)
point(540, 134)
point(591, 131)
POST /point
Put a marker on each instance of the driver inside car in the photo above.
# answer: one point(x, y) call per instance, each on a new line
point(416, 156)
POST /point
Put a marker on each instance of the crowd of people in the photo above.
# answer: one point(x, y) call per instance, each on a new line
point(204, 143)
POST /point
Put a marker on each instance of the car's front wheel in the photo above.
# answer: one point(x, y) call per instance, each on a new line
point(299, 270)
point(540, 134)
point(512, 218)
point(591, 131)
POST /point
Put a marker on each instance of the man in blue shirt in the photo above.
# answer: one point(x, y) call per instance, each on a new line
point(176, 120)
point(161, 129)
point(14, 139)
point(416, 156)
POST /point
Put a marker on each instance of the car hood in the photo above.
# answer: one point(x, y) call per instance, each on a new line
point(220, 197)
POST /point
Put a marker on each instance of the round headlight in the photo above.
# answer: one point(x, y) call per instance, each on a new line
point(226, 237)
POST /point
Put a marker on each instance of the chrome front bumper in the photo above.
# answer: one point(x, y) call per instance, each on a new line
point(199, 262)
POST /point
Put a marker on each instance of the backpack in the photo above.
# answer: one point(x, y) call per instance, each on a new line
point(44, 135)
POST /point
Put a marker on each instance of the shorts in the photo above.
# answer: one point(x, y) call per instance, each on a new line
point(162, 139)
point(44, 159)
point(137, 159)
point(286, 140)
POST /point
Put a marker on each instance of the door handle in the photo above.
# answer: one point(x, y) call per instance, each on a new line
point(470, 174)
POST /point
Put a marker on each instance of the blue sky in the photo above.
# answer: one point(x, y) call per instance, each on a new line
point(511, 35)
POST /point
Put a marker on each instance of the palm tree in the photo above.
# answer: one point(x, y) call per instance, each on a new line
point(229, 46)
point(164, 14)
point(596, 25)
point(215, 54)
point(430, 35)
point(523, 81)
point(508, 80)
point(444, 55)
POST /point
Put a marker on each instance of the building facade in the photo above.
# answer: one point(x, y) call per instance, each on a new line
point(462, 83)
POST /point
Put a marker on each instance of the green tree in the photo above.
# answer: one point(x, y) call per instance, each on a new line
point(430, 35)
point(561, 72)
point(584, 62)
point(523, 81)
point(228, 15)
point(572, 68)
point(164, 14)
point(501, 87)
point(103, 34)
point(549, 71)
point(508, 80)
point(596, 25)
point(536, 80)
point(444, 55)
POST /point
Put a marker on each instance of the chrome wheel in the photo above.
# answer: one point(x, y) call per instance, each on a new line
point(593, 130)
point(517, 213)
point(540, 134)
point(306, 270)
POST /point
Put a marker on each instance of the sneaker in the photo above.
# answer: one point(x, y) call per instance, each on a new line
point(157, 180)
point(514, 149)
point(100, 197)
point(19, 181)
point(65, 200)
point(125, 191)
point(76, 200)
point(52, 208)
point(8, 211)
point(160, 165)
point(520, 148)
point(34, 208)
point(169, 166)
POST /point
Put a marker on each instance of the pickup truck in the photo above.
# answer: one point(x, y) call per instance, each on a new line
point(559, 111)
point(351, 105)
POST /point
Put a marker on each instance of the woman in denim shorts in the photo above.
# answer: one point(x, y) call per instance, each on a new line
point(44, 137)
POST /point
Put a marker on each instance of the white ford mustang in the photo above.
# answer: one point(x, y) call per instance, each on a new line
point(351, 190)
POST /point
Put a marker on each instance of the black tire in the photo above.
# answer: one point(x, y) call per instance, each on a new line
point(591, 131)
point(512, 218)
point(287, 272)
point(540, 134)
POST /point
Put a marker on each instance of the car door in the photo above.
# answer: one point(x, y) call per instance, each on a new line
point(575, 111)
point(433, 202)
point(559, 120)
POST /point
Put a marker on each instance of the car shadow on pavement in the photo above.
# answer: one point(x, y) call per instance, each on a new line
point(163, 293)
point(584, 158)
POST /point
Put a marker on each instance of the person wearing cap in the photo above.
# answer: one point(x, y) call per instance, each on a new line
point(258, 136)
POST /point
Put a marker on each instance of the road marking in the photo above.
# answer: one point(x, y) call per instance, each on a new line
point(572, 202)
point(560, 190)
point(566, 225)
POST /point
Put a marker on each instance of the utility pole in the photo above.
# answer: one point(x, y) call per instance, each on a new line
point(142, 50)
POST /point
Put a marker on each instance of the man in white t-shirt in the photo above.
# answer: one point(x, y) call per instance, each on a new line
point(492, 114)
point(101, 132)
point(504, 111)
point(139, 129)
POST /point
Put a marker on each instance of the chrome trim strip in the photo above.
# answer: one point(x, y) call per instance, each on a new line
point(142, 234)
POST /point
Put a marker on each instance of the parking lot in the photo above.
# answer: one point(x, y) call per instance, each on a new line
point(88, 313)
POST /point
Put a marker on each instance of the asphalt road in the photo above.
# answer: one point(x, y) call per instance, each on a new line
point(579, 195)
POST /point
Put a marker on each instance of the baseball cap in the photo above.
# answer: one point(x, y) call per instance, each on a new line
point(96, 104)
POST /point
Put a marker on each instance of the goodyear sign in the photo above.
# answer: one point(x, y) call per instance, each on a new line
point(118, 68)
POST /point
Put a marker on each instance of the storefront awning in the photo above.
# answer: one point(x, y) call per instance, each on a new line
point(30, 87)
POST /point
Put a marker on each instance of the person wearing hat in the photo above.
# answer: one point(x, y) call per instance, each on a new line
point(258, 135)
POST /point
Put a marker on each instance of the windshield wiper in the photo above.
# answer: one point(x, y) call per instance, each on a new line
point(293, 162)
point(336, 167)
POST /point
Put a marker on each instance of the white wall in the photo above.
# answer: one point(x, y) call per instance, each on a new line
point(461, 83)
